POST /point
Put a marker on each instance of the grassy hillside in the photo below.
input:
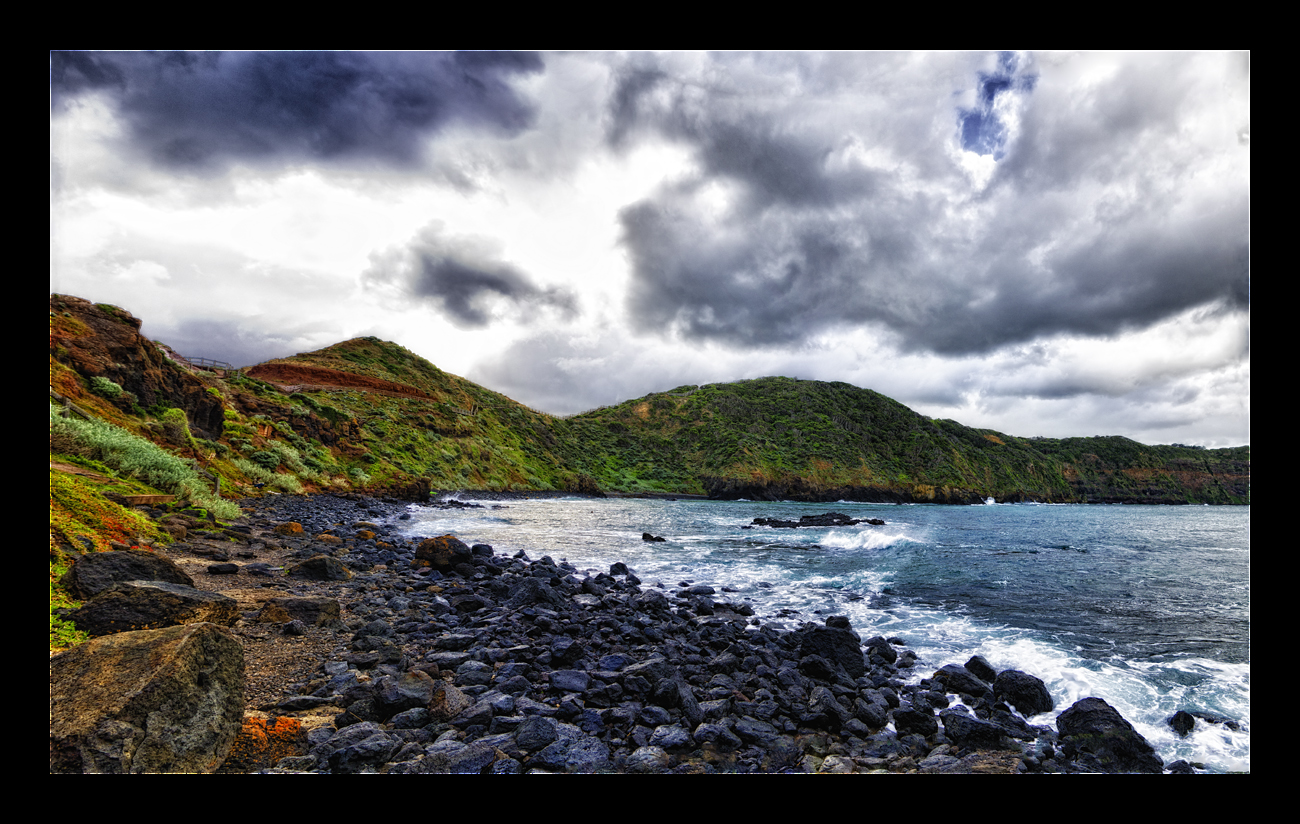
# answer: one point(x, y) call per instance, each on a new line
point(412, 421)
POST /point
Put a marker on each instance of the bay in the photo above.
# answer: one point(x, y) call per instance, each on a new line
point(1147, 607)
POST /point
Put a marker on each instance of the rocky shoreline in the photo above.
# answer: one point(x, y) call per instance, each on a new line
point(375, 653)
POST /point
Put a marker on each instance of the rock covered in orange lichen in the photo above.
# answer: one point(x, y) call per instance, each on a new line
point(441, 553)
point(262, 742)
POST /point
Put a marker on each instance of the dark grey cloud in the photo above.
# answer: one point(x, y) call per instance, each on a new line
point(1097, 218)
point(466, 279)
point(202, 110)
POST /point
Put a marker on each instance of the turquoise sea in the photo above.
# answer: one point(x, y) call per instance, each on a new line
point(1147, 607)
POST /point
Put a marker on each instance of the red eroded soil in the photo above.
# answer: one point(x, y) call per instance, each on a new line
point(283, 373)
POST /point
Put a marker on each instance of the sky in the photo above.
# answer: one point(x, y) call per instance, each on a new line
point(1045, 244)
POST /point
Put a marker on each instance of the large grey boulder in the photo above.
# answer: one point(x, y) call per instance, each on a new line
point(313, 611)
point(153, 701)
point(320, 568)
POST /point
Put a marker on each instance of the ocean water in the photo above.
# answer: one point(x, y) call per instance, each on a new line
point(1147, 607)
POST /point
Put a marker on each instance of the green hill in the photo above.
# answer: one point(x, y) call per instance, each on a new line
point(798, 439)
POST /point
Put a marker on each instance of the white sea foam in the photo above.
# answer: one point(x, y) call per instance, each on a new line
point(867, 538)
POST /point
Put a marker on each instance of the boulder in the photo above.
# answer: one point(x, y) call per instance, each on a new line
point(310, 610)
point(320, 568)
point(880, 646)
point(152, 701)
point(968, 731)
point(398, 693)
point(442, 553)
point(532, 591)
point(97, 571)
point(837, 644)
point(137, 605)
point(981, 668)
point(1023, 691)
point(957, 679)
point(1096, 737)
point(921, 721)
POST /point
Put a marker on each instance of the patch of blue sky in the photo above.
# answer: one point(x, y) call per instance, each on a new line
point(984, 129)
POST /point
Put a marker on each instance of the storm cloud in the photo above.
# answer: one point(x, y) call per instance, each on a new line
point(464, 278)
point(200, 111)
point(810, 214)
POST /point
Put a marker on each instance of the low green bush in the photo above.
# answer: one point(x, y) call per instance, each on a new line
point(267, 459)
point(105, 387)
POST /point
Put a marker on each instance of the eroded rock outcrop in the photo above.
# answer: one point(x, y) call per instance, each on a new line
point(97, 340)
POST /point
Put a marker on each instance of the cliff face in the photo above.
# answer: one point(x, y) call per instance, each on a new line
point(1221, 476)
point(100, 341)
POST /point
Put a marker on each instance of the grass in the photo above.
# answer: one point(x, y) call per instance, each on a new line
point(83, 520)
point(139, 458)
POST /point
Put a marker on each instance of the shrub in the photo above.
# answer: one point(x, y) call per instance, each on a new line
point(268, 459)
point(105, 387)
point(177, 427)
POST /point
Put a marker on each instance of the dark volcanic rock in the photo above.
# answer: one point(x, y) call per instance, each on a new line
point(320, 568)
point(968, 731)
point(957, 679)
point(1182, 722)
point(95, 572)
point(309, 610)
point(829, 519)
point(839, 645)
point(915, 721)
point(1096, 736)
point(1023, 691)
point(981, 669)
point(137, 605)
point(442, 553)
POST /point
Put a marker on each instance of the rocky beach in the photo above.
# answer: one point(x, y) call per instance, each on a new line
point(367, 651)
